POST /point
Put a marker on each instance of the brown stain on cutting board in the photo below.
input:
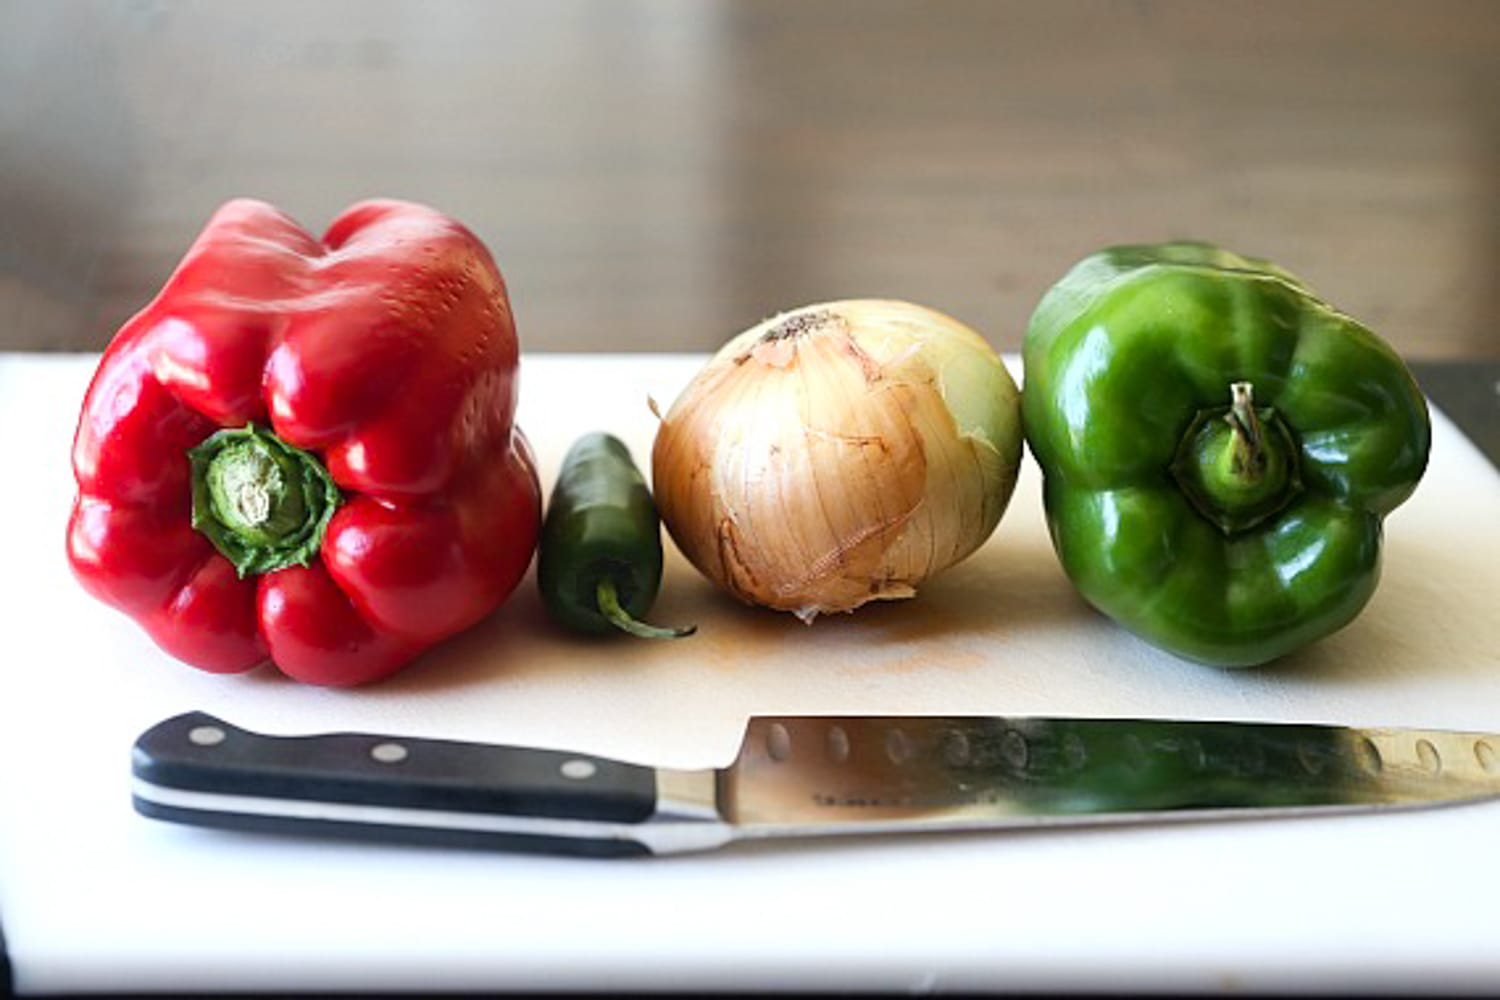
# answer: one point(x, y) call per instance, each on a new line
point(1008, 584)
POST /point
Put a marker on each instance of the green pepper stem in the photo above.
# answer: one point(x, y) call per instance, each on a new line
point(1238, 466)
point(609, 607)
point(1248, 454)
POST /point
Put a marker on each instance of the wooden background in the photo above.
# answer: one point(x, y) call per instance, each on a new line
point(658, 175)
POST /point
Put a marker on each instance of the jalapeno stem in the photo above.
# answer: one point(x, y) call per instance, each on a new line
point(609, 607)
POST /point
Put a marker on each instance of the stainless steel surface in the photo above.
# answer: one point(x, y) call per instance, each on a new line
point(687, 817)
point(835, 775)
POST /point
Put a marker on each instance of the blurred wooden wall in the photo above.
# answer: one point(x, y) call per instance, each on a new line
point(658, 175)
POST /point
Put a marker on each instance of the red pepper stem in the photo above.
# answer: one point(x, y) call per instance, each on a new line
point(1248, 454)
point(264, 504)
point(609, 607)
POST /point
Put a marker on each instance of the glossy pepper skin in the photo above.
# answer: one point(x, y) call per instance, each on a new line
point(367, 380)
point(599, 566)
point(1156, 511)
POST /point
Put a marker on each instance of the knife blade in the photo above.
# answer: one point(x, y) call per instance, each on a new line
point(798, 777)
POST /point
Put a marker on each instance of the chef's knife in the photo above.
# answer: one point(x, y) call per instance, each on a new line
point(799, 777)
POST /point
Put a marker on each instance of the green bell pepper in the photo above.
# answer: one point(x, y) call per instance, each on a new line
point(1219, 448)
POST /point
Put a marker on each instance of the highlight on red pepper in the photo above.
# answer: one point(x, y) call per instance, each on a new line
point(304, 450)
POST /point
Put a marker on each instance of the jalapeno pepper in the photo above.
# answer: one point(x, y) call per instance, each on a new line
point(600, 561)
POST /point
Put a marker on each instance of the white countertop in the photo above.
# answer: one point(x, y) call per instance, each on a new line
point(95, 897)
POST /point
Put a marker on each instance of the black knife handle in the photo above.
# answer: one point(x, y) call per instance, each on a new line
point(197, 769)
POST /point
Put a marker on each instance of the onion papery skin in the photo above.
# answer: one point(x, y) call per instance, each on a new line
point(838, 454)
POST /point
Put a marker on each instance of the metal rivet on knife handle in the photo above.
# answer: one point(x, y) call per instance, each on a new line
point(578, 769)
point(388, 753)
point(206, 736)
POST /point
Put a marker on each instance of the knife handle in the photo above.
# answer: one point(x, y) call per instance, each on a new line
point(197, 769)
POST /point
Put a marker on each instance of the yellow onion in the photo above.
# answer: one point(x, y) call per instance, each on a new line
point(838, 454)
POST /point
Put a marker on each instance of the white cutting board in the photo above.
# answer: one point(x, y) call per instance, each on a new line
point(94, 897)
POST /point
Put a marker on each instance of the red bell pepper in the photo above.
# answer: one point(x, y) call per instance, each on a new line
point(304, 450)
